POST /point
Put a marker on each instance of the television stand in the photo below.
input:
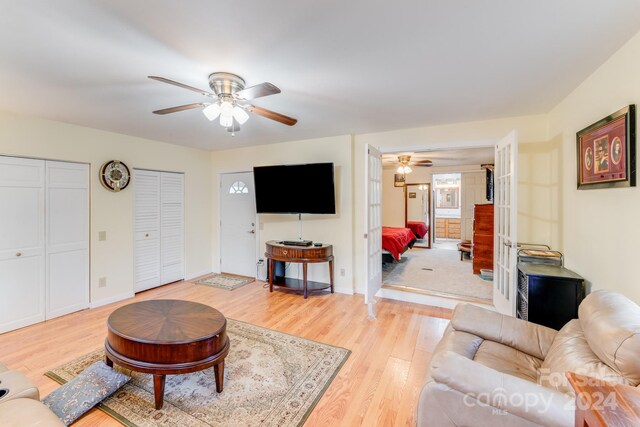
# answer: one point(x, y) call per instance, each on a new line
point(277, 251)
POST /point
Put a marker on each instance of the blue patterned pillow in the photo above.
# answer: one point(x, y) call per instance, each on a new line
point(82, 393)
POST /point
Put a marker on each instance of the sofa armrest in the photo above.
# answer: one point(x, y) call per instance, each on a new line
point(482, 385)
point(527, 337)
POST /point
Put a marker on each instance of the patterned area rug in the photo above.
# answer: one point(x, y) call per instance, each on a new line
point(223, 281)
point(270, 379)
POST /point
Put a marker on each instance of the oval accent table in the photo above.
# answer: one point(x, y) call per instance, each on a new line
point(167, 337)
point(278, 251)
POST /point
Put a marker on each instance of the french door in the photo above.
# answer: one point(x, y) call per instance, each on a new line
point(505, 224)
point(373, 236)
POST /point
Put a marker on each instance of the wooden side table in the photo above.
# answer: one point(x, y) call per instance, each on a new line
point(301, 254)
point(600, 404)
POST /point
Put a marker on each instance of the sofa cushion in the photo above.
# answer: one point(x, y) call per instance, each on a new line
point(27, 412)
point(570, 352)
point(508, 360)
point(527, 337)
point(611, 326)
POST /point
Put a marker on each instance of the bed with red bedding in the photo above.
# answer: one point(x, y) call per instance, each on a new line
point(396, 240)
point(419, 228)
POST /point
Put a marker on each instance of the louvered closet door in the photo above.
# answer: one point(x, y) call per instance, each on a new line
point(147, 229)
point(22, 247)
point(172, 227)
point(67, 228)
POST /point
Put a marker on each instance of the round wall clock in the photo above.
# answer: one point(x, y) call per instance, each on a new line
point(114, 175)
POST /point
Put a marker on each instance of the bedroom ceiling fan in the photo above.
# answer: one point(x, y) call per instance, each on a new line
point(229, 101)
point(405, 161)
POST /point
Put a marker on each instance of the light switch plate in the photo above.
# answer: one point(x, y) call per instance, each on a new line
point(102, 236)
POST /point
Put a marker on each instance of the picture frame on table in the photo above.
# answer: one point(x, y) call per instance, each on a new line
point(606, 151)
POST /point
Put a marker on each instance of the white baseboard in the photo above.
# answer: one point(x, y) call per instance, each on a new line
point(431, 300)
point(343, 290)
point(115, 298)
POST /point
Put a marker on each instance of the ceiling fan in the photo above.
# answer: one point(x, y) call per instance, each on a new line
point(405, 161)
point(230, 101)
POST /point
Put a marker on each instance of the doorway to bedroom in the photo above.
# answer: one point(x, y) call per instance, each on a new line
point(430, 197)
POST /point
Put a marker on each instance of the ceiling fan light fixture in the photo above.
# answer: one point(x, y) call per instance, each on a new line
point(226, 114)
point(404, 170)
point(212, 111)
point(240, 115)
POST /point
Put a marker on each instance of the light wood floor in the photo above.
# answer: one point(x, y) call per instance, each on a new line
point(378, 385)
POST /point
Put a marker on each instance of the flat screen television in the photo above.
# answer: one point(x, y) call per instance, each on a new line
point(294, 189)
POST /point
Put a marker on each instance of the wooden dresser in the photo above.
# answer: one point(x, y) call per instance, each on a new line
point(448, 228)
point(482, 238)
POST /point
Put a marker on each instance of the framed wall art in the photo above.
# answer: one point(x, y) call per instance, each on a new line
point(398, 180)
point(606, 151)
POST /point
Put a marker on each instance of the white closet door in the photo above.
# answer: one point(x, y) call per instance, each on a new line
point(22, 248)
point(172, 228)
point(67, 240)
point(147, 229)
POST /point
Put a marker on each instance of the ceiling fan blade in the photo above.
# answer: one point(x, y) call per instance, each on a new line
point(257, 91)
point(182, 85)
point(289, 121)
point(181, 108)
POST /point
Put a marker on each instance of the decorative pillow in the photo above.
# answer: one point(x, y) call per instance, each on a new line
point(82, 393)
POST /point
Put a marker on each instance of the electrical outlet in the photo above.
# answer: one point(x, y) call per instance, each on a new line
point(342, 272)
point(102, 236)
point(102, 282)
point(260, 261)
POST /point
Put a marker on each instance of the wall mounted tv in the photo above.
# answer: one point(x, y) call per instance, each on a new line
point(295, 189)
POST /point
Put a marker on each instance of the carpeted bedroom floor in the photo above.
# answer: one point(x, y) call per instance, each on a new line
point(437, 270)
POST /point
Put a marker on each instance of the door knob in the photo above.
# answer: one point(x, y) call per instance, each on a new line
point(18, 253)
point(252, 231)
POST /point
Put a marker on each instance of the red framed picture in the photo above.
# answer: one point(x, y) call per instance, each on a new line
point(606, 151)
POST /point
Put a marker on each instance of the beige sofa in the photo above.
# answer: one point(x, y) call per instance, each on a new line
point(20, 405)
point(491, 369)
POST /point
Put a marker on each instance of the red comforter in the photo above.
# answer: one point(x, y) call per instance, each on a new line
point(419, 228)
point(396, 240)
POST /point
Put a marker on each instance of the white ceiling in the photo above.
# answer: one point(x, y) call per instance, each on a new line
point(343, 66)
point(444, 158)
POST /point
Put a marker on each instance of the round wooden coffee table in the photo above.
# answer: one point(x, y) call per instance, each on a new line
point(167, 337)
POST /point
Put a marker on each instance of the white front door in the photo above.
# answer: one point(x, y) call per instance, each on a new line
point(67, 228)
point(22, 262)
point(505, 224)
point(373, 225)
point(237, 224)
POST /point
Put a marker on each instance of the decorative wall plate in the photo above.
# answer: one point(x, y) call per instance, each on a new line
point(114, 175)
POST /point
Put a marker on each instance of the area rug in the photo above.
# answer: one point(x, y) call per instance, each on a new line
point(437, 270)
point(223, 281)
point(270, 379)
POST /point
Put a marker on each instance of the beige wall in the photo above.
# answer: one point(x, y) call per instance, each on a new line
point(334, 229)
point(600, 231)
point(531, 130)
point(113, 212)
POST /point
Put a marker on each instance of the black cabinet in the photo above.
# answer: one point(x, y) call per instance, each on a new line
point(548, 295)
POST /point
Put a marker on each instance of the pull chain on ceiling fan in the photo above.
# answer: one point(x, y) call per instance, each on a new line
point(230, 101)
